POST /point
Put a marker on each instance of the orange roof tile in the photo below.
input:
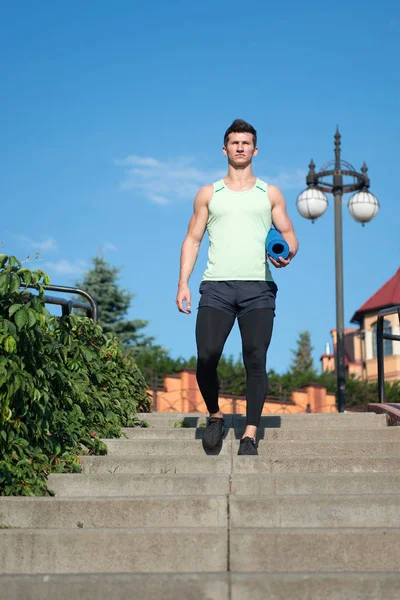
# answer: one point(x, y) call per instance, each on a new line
point(388, 295)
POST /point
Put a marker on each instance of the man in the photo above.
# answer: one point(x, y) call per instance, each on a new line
point(237, 212)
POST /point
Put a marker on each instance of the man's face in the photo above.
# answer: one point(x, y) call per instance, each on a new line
point(240, 149)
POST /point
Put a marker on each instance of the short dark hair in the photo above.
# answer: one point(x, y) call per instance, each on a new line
point(240, 126)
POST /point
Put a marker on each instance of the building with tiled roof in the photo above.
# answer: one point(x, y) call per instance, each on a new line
point(360, 342)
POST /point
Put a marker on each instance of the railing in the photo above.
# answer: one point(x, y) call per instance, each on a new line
point(67, 305)
point(188, 400)
point(380, 336)
point(391, 411)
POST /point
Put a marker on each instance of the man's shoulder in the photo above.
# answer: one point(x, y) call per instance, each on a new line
point(204, 195)
point(273, 191)
point(261, 184)
point(209, 187)
point(275, 195)
point(207, 191)
point(219, 183)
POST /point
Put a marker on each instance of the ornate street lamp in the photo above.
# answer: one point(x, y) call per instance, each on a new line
point(338, 177)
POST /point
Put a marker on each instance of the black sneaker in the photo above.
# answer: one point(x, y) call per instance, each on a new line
point(248, 446)
point(214, 432)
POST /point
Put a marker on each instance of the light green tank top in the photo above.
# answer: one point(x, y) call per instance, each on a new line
point(237, 226)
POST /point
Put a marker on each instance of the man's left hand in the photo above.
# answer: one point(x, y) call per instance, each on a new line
point(280, 262)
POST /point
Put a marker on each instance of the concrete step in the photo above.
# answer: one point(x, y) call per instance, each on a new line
point(171, 420)
point(162, 447)
point(324, 449)
point(131, 484)
point(117, 512)
point(285, 484)
point(276, 449)
point(157, 465)
point(172, 465)
point(318, 550)
point(351, 420)
point(327, 434)
point(301, 434)
point(315, 511)
point(153, 433)
point(201, 511)
point(326, 420)
point(202, 586)
point(315, 586)
point(125, 586)
point(139, 550)
point(333, 464)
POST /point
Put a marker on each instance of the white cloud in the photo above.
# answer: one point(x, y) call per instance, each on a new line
point(48, 245)
point(109, 246)
point(165, 182)
point(65, 267)
point(174, 180)
point(133, 160)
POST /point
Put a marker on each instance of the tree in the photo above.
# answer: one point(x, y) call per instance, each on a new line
point(155, 363)
point(302, 360)
point(101, 282)
point(231, 374)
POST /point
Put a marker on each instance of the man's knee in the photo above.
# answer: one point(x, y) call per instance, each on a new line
point(254, 357)
point(208, 357)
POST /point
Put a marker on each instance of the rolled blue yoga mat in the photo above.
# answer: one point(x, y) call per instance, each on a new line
point(276, 245)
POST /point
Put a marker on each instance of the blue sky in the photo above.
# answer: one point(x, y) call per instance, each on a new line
point(113, 114)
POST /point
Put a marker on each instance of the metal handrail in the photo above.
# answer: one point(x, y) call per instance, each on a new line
point(380, 336)
point(67, 305)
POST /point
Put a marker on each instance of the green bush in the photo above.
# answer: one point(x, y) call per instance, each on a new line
point(360, 393)
point(63, 384)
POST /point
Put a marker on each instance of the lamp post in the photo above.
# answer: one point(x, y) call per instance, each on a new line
point(338, 177)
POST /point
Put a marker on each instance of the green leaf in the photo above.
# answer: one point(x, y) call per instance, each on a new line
point(26, 275)
point(41, 319)
point(14, 261)
point(3, 260)
point(87, 354)
point(10, 345)
point(3, 283)
point(17, 383)
point(14, 309)
point(14, 283)
point(31, 318)
point(21, 318)
point(10, 327)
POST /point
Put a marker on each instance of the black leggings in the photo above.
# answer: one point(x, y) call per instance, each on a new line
point(212, 329)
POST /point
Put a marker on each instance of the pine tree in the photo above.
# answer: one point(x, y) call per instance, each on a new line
point(101, 282)
point(302, 360)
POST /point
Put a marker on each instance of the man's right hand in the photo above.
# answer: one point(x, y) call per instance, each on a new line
point(183, 296)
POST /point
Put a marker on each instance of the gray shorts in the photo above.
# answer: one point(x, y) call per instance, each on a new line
point(238, 297)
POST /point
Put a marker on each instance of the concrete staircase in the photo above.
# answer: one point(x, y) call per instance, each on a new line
point(315, 516)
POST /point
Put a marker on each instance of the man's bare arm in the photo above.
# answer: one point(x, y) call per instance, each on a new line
point(283, 224)
point(191, 246)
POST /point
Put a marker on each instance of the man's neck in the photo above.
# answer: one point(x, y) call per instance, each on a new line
point(240, 178)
